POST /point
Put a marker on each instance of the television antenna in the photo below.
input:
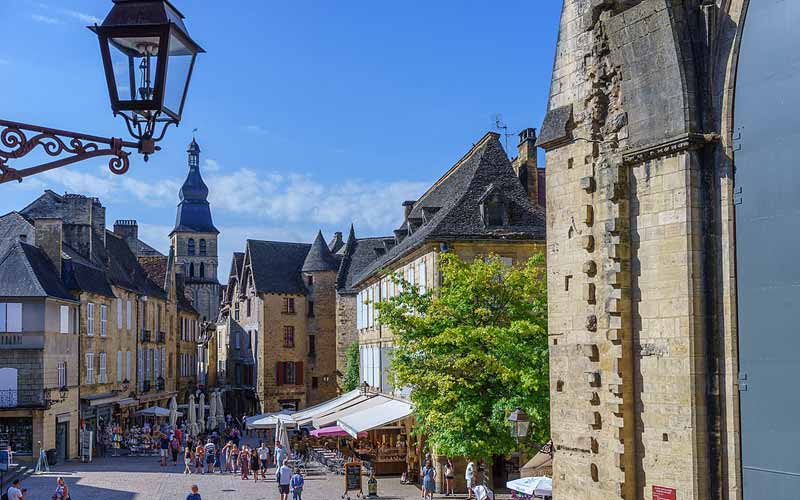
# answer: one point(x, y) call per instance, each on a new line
point(499, 124)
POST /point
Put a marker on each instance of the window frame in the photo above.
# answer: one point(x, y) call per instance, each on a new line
point(63, 319)
point(288, 336)
point(90, 319)
point(103, 320)
point(89, 366)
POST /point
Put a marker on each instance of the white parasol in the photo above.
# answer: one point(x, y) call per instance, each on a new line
point(201, 412)
point(173, 412)
point(212, 412)
point(192, 417)
point(220, 408)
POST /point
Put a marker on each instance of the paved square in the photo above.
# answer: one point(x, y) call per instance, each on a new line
point(141, 478)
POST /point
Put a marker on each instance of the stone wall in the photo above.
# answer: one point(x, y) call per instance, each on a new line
point(346, 330)
point(640, 396)
point(321, 367)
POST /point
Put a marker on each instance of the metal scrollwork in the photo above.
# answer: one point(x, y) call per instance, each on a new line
point(15, 144)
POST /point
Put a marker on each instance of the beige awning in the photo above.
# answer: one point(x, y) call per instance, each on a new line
point(344, 410)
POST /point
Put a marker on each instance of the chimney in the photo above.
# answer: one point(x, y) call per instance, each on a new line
point(128, 230)
point(408, 206)
point(48, 239)
point(525, 165)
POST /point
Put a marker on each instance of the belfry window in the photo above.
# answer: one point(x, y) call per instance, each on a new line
point(191, 269)
point(190, 246)
point(202, 247)
point(202, 270)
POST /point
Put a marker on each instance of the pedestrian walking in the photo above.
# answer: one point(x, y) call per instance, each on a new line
point(235, 459)
point(255, 465)
point(199, 454)
point(195, 494)
point(164, 443)
point(296, 484)
point(284, 478)
point(280, 454)
point(244, 463)
point(175, 448)
point(263, 456)
point(187, 460)
point(469, 475)
point(210, 456)
point(428, 481)
point(62, 490)
point(449, 476)
point(16, 491)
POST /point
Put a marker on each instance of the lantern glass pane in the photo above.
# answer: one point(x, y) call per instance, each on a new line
point(522, 428)
point(135, 62)
point(178, 67)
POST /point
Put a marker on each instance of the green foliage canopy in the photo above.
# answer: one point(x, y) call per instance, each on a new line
point(351, 375)
point(472, 350)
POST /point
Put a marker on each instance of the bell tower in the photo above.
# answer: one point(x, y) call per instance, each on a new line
point(194, 239)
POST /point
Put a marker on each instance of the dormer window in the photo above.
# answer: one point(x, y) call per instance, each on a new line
point(494, 208)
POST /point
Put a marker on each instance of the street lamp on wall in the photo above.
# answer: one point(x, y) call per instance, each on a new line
point(519, 424)
point(148, 59)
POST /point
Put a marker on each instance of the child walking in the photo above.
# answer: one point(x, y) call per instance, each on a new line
point(296, 484)
point(187, 460)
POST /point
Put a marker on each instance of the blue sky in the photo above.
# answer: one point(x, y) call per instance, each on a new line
point(310, 114)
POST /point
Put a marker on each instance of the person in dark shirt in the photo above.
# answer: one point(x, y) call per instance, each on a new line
point(195, 494)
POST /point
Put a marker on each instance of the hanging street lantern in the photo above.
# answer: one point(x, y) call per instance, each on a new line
point(148, 59)
point(519, 424)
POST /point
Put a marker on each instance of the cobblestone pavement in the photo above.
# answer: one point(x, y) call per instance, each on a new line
point(140, 478)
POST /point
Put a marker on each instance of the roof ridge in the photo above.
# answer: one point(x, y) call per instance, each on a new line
point(480, 144)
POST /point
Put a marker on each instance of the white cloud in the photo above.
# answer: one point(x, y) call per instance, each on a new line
point(82, 17)
point(45, 19)
point(372, 205)
point(155, 235)
point(257, 130)
point(102, 183)
point(210, 165)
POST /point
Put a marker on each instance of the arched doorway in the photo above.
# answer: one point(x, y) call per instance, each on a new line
point(767, 200)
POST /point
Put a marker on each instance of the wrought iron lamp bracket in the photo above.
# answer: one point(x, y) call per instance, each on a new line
point(19, 139)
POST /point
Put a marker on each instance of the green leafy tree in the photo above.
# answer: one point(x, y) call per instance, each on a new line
point(351, 375)
point(472, 350)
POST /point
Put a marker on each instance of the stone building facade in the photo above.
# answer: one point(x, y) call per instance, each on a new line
point(276, 338)
point(482, 205)
point(194, 240)
point(641, 252)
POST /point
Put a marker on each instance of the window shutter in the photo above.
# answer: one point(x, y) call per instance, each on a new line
point(299, 372)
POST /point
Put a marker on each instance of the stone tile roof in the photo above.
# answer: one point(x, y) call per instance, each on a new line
point(81, 274)
point(450, 209)
point(319, 257)
point(26, 271)
point(125, 271)
point(276, 265)
point(358, 254)
point(155, 266)
point(12, 225)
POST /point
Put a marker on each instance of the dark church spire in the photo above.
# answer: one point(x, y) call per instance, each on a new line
point(194, 212)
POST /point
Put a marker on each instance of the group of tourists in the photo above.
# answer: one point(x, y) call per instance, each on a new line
point(428, 474)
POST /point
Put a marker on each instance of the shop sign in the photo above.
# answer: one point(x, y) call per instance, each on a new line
point(663, 493)
point(352, 477)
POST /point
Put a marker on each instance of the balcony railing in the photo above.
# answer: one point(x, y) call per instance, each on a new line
point(27, 340)
point(162, 338)
point(26, 398)
point(146, 336)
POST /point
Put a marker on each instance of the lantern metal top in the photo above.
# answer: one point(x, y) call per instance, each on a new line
point(518, 415)
point(127, 13)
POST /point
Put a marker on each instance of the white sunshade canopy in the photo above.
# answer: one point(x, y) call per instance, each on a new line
point(307, 415)
point(376, 416)
point(348, 409)
point(155, 411)
point(269, 420)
